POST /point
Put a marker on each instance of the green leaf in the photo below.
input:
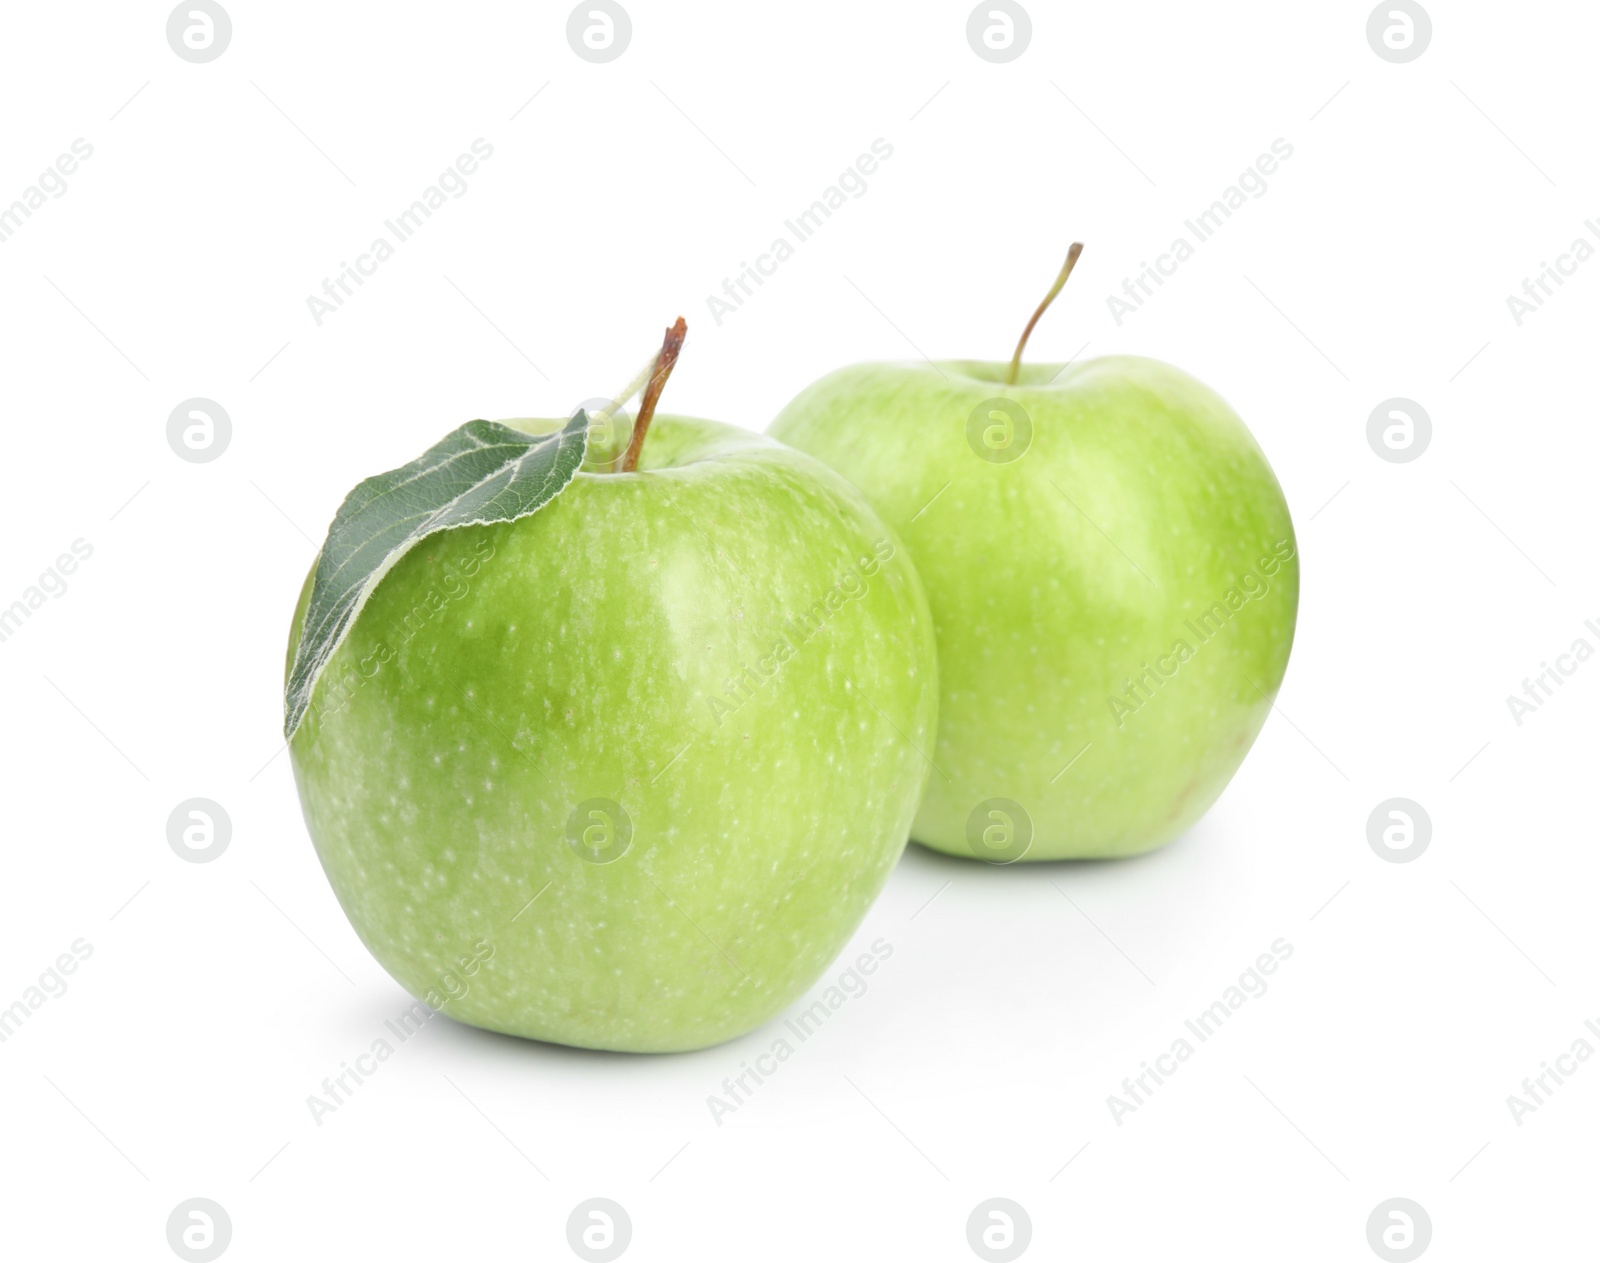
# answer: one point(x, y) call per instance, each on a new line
point(483, 472)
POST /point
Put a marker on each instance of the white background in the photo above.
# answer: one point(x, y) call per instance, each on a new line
point(1419, 995)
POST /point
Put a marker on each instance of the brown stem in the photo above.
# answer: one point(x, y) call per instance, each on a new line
point(1066, 271)
point(670, 346)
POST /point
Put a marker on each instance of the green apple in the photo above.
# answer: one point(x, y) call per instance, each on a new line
point(1113, 578)
point(627, 773)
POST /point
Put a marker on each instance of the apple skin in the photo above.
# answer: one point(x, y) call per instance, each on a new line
point(573, 655)
point(1042, 620)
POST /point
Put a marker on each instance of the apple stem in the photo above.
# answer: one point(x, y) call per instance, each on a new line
point(670, 346)
point(1066, 271)
point(616, 404)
